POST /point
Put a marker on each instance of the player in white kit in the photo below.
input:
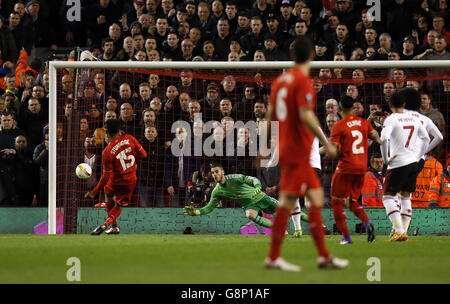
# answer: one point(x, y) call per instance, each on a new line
point(412, 106)
point(399, 137)
point(314, 161)
point(297, 215)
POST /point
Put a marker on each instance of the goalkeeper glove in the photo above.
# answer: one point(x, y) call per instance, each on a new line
point(190, 210)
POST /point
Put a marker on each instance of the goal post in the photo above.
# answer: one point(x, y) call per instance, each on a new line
point(421, 67)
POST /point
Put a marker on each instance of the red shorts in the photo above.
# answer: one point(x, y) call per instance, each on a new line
point(297, 178)
point(346, 185)
point(121, 193)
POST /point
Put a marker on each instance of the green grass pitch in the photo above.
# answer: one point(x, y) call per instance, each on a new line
point(207, 259)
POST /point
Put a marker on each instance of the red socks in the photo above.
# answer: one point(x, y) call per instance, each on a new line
point(113, 215)
point(317, 231)
point(339, 216)
point(358, 210)
point(109, 207)
point(278, 231)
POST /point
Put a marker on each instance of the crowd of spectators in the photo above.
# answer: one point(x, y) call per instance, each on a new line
point(149, 103)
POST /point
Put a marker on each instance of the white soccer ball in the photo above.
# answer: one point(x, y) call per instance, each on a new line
point(83, 171)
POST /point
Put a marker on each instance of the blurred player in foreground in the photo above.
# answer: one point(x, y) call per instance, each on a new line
point(119, 173)
point(400, 135)
point(244, 190)
point(292, 103)
point(350, 135)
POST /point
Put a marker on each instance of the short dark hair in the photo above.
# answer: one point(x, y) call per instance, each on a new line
point(346, 102)
point(301, 21)
point(29, 73)
point(411, 98)
point(215, 165)
point(10, 75)
point(223, 18)
point(112, 126)
point(34, 98)
point(375, 155)
point(303, 48)
point(105, 40)
point(397, 99)
point(243, 13)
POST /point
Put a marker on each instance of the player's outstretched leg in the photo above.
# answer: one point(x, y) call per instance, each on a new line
point(283, 212)
point(393, 212)
point(253, 215)
point(296, 218)
point(280, 264)
point(113, 215)
point(98, 230)
point(340, 218)
point(358, 210)
point(331, 262)
point(113, 230)
point(406, 213)
point(325, 260)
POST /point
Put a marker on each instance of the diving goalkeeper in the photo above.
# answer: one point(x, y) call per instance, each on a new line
point(246, 191)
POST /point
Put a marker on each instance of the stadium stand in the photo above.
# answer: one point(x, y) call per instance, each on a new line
point(34, 32)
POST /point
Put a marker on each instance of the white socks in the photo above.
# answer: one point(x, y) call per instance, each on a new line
point(296, 216)
point(391, 205)
point(406, 211)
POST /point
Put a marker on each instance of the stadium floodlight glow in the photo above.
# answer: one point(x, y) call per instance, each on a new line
point(54, 66)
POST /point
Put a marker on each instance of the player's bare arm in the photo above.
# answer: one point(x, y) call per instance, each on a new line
point(322, 150)
point(375, 137)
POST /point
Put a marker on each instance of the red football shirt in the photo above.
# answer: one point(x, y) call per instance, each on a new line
point(120, 157)
point(351, 133)
point(291, 91)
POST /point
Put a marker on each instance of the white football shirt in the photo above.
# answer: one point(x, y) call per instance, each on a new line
point(314, 158)
point(400, 133)
point(430, 127)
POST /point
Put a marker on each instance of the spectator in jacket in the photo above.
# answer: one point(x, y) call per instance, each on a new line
point(385, 48)
point(43, 34)
point(372, 190)
point(431, 112)
point(271, 50)
point(204, 20)
point(440, 188)
point(431, 169)
point(127, 51)
point(221, 39)
point(342, 41)
point(151, 170)
point(26, 177)
point(179, 169)
point(254, 40)
point(9, 48)
point(100, 17)
point(345, 11)
point(40, 158)
point(32, 121)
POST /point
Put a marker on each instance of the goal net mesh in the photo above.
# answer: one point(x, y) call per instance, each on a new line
point(149, 102)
